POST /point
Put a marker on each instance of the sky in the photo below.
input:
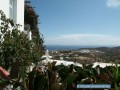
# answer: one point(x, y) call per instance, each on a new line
point(79, 22)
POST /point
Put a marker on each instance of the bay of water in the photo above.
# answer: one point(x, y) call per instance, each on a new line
point(68, 47)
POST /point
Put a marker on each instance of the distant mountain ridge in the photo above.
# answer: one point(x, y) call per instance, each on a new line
point(105, 49)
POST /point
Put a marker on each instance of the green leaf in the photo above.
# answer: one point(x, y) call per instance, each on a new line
point(70, 79)
point(116, 71)
point(56, 86)
point(40, 83)
point(116, 87)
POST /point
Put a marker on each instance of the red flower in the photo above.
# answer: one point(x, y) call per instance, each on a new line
point(4, 74)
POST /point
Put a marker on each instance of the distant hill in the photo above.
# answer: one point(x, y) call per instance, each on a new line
point(104, 49)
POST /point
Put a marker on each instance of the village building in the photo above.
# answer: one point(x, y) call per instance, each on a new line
point(15, 10)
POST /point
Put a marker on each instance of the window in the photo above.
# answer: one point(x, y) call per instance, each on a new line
point(13, 10)
point(11, 2)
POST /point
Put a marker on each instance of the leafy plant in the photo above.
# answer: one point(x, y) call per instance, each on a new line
point(17, 52)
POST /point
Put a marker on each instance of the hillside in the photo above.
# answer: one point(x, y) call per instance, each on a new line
point(89, 55)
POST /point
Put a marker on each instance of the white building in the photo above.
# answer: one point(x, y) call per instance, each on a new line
point(14, 9)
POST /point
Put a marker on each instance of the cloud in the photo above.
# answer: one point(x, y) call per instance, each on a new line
point(113, 3)
point(83, 39)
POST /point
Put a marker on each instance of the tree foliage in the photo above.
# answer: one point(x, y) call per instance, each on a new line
point(15, 46)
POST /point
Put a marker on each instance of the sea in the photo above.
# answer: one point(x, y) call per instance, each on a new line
point(69, 47)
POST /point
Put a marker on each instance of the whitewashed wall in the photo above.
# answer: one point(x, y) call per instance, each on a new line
point(4, 6)
point(18, 11)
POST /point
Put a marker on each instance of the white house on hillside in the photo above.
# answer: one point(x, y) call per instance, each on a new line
point(14, 9)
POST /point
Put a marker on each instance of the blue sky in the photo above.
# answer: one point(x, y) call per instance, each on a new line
point(79, 22)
